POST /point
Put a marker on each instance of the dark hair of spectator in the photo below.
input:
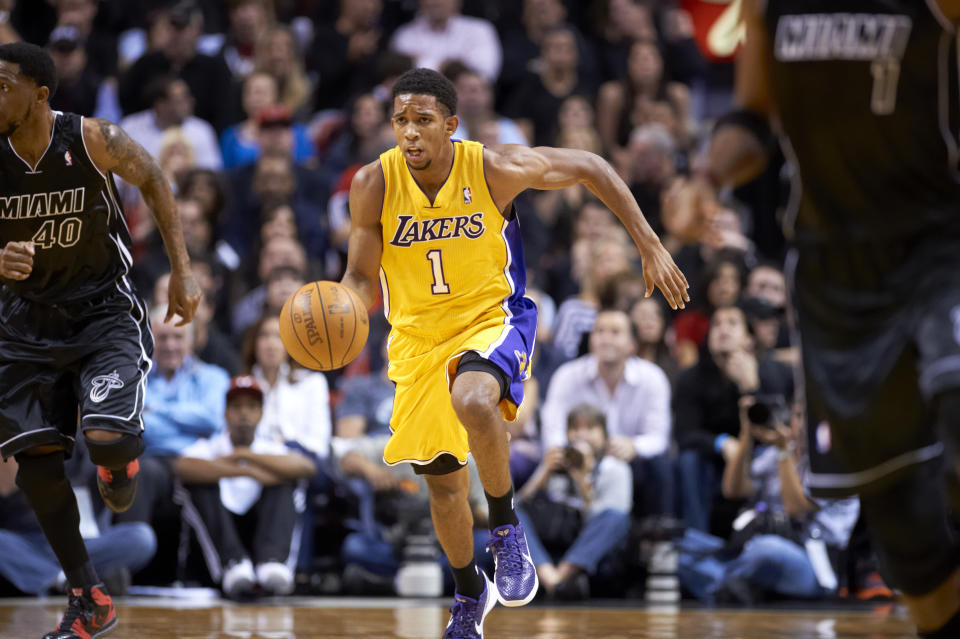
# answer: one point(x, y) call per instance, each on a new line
point(610, 291)
point(711, 271)
point(35, 63)
point(392, 65)
point(248, 347)
point(427, 82)
point(589, 413)
point(158, 88)
point(453, 70)
point(189, 181)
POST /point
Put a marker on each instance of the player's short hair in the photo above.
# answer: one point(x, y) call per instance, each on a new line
point(35, 63)
point(427, 82)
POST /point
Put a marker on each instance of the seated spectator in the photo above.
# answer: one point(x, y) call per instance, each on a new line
point(80, 89)
point(650, 159)
point(719, 287)
point(279, 252)
point(635, 398)
point(602, 259)
point(537, 101)
point(706, 417)
point(365, 137)
point(649, 320)
point(786, 543)
point(207, 76)
point(248, 23)
point(366, 403)
point(241, 143)
point(274, 180)
point(440, 33)
point(575, 509)
point(28, 562)
point(183, 402)
point(171, 105)
point(242, 487)
point(345, 53)
point(475, 106)
point(277, 56)
point(765, 301)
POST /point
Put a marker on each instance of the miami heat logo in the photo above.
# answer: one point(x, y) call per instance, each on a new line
point(102, 384)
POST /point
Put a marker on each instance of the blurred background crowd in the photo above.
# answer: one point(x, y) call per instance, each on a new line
point(659, 453)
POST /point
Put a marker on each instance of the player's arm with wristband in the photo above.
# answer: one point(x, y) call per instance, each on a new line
point(366, 239)
point(511, 169)
point(113, 151)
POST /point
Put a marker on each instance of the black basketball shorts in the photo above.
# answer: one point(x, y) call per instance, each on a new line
point(874, 358)
point(82, 363)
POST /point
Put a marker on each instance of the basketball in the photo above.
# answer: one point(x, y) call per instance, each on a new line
point(324, 325)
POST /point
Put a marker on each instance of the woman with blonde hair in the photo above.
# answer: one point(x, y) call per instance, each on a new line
point(277, 55)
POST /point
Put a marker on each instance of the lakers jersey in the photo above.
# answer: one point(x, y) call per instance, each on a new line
point(451, 262)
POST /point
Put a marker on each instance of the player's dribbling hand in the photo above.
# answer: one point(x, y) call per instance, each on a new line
point(184, 297)
point(659, 270)
point(16, 260)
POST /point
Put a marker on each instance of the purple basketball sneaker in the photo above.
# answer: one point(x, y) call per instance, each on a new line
point(467, 615)
point(515, 575)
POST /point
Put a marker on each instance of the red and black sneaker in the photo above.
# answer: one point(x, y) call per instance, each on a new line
point(90, 614)
point(118, 487)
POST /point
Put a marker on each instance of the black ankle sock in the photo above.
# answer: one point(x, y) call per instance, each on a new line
point(44, 483)
point(82, 577)
point(501, 509)
point(468, 580)
point(949, 630)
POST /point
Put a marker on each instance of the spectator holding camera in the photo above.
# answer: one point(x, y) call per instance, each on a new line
point(706, 413)
point(635, 396)
point(576, 506)
point(783, 542)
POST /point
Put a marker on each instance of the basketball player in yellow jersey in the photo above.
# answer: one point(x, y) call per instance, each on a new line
point(432, 222)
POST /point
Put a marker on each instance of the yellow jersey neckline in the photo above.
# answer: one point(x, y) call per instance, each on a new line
point(453, 166)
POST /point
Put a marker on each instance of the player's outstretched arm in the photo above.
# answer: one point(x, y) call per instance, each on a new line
point(366, 237)
point(113, 151)
point(513, 168)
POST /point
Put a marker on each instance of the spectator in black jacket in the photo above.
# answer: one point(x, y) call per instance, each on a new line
point(707, 421)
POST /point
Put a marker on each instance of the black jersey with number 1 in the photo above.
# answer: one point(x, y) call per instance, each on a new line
point(71, 212)
point(866, 92)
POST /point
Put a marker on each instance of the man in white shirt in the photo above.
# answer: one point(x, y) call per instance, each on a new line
point(172, 106)
point(240, 483)
point(635, 397)
point(440, 33)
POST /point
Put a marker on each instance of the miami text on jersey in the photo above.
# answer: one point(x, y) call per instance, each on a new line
point(42, 204)
point(841, 36)
point(410, 230)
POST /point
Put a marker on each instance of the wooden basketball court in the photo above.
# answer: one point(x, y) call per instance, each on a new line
point(338, 618)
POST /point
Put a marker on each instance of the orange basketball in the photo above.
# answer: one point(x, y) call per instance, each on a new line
point(324, 325)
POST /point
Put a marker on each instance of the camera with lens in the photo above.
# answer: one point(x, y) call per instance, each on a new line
point(572, 458)
point(767, 410)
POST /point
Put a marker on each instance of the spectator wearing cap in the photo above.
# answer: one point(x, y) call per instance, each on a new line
point(80, 89)
point(271, 131)
point(172, 107)
point(207, 76)
point(241, 486)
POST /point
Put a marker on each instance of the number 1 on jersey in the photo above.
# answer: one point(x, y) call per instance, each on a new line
point(440, 286)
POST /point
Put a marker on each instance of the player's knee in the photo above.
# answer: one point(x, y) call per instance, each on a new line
point(117, 453)
point(910, 525)
point(447, 490)
point(474, 405)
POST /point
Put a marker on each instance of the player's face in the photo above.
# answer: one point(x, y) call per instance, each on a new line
point(421, 127)
point(17, 95)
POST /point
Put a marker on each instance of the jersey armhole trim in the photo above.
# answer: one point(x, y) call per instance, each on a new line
point(941, 17)
point(83, 138)
point(483, 166)
point(383, 201)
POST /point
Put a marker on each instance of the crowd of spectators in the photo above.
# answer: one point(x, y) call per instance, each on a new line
point(636, 426)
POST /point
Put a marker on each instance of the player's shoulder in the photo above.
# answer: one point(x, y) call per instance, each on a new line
point(508, 159)
point(369, 176)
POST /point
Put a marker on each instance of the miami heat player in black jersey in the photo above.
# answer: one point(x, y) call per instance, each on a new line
point(75, 343)
point(865, 96)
